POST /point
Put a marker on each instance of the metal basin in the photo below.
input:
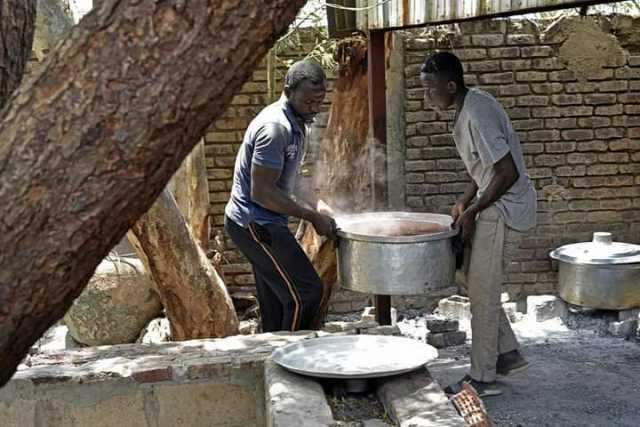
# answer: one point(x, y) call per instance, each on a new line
point(395, 253)
point(600, 274)
point(354, 356)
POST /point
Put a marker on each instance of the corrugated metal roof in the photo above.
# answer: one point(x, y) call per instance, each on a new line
point(406, 13)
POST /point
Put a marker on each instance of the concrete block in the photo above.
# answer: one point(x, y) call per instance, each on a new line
point(546, 307)
point(632, 314)
point(416, 400)
point(625, 329)
point(442, 325)
point(456, 307)
point(382, 330)
point(375, 423)
point(447, 339)
point(294, 400)
point(339, 327)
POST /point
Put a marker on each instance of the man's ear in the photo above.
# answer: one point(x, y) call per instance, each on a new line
point(287, 91)
point(452, 87)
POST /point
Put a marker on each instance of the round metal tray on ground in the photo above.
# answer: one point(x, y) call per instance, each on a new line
point(354, 356)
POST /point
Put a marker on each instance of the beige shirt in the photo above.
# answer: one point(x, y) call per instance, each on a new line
point(483, 135)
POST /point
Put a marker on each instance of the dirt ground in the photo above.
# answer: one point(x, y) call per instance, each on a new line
point(576, 378)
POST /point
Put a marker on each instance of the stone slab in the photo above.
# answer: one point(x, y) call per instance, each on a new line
point(546, 307)
point(416, 400)
point(294, 400)
point(447, 339)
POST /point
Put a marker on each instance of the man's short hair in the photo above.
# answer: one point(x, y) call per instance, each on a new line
point(304, 70)
point(444, 64)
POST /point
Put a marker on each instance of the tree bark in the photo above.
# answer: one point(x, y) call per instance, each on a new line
point(190, 188)
point(17, 26)
point(341, 176)
point(194, 295)
point(89, 141)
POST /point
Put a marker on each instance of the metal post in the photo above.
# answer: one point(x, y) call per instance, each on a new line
point(378, 125)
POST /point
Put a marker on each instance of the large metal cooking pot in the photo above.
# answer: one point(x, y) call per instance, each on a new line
point(375, 262)
point(600, 274)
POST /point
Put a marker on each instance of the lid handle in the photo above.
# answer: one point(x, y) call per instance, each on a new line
point(602, 237)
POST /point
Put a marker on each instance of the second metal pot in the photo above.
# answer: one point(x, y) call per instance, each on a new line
point(601, 274)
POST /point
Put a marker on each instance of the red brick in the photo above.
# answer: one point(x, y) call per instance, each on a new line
point(440, 177)
point(531, 76)
point(414, 178)
point(614, 157)
point(543, 135)
point(527, 124)
point(496, 78)
point(532, 148)
point(514, 90)
point(504, 52)
point(577, 134)
point(521, 39)
point(532, 100)
point(547, 88)
point(589, 182)
point(608, 169)
point(439, 153)
point(592, 146)
point(550, 160)
point(153, 375)
point(580, 170)
point(567, 123)
point(594, 122)
point(613, 86)
point(560, 147)
point(419, 165)
point(515, 64)
point(209, 370)
point(581, 87)
point(609, 110)
point(562, 76)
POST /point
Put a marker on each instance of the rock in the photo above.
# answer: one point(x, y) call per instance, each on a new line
point(632, 314)
point(625, 329)
point(248, 327)
point(447, 339)
point(156, 332)
point(369, 314)
point(116, 305)
point(243, 300)
point(442, 325)
point(546, 307)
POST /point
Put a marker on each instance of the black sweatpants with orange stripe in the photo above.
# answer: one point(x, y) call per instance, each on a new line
point(289, 289)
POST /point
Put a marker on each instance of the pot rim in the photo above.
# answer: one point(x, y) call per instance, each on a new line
point(444, 220)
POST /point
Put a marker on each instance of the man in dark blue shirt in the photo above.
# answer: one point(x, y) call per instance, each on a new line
point(289, 289)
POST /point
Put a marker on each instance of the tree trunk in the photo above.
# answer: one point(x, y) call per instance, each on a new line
point(341, 176)
point(195, 297)
point(190, 188)
point(89, 141)
point(17, 25)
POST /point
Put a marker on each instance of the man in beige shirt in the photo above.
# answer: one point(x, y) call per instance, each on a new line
point(500, 196)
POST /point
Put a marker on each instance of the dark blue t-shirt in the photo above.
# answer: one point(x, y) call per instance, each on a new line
point(275, 140)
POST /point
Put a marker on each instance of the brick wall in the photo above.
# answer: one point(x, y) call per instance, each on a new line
point(579, 131)
point(579, 134)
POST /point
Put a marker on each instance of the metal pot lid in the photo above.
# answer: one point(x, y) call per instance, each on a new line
point(601, 251)
point(354, 356)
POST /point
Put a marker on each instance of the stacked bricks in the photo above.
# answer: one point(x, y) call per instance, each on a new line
point(580, 138)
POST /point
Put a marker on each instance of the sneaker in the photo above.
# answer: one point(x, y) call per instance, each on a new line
point(511, 363)
point(483, 389)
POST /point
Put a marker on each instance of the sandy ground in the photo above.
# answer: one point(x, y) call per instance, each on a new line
point(576, 378)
